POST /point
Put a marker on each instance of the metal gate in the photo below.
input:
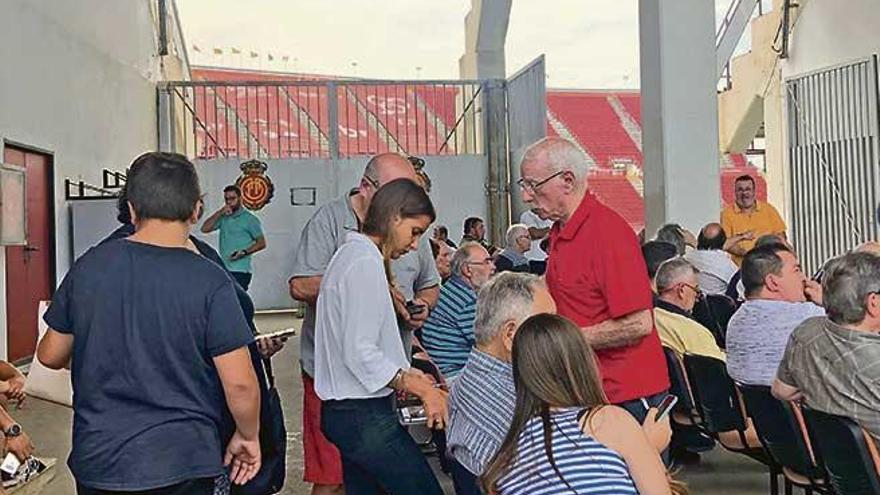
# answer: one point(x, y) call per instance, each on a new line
point(833, 159)
point(527, 121)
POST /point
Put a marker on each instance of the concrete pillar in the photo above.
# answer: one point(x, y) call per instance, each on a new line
point(485, 31)
point(679, 112)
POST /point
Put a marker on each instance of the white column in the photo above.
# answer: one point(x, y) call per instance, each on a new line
point(679, 112)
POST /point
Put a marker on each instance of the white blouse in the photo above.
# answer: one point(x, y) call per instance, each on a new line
point(358, 348)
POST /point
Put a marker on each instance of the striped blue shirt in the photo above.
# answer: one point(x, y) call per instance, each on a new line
point(448, 334)
point(587, 466)
point(480, 410)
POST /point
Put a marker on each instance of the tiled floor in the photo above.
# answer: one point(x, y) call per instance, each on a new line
point(720, 473)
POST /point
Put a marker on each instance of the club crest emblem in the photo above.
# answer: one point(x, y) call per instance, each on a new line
point(256, 188)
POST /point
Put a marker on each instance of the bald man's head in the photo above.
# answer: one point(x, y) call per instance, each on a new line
point(712, 236)
point(869, 247)
point(382, 169)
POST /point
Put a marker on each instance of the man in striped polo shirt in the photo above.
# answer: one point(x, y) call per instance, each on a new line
point(482, 402)
point(448, 334)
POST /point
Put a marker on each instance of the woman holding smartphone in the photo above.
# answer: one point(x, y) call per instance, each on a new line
point(565, 437)
point(359, 357)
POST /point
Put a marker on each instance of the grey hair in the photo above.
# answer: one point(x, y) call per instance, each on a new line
point(508, 296)
point(847, 282)
point(671, 272)
point(462, 256)
point(560, 155)
point(673, 234)
point(513, 233)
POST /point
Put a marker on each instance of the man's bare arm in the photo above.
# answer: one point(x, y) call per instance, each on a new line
point(619, 332)
point(55, 349)
point(305, 289)
point(429, 295)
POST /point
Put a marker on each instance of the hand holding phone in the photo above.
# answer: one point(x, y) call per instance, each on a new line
point(414, 309)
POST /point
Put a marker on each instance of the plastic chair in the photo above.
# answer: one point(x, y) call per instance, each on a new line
point(721, 411)
point(779, 436)
point(714, 312)
point(847, 451)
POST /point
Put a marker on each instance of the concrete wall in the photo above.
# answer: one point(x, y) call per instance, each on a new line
point(458, 192)
point(831, 33)
point(78, 81)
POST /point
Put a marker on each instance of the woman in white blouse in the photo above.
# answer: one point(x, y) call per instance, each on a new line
point(359, 356)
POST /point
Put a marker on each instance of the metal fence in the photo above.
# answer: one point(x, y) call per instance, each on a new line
point(324, 119)
point(833, 159)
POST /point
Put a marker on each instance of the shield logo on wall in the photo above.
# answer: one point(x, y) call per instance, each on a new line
point(256, 188)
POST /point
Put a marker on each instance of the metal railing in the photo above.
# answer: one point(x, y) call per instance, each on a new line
point(324, 119)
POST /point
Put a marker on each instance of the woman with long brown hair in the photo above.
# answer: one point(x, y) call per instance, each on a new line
point(359, 355)
point(565, 437)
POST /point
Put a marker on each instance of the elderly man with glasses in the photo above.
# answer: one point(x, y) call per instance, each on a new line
point(596, 274)
point(448, 335)
point(678, 290)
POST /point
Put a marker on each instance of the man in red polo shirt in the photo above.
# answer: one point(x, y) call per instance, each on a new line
point(596, 274)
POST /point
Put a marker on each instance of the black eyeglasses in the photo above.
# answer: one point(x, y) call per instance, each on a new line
point(534, 186)
point(373, 182)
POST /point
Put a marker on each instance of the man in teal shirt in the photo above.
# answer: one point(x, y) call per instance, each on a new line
point(241, 235)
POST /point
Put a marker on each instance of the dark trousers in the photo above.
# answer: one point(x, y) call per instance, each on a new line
point(202, 486)
point(465, 482)
point(637, 408)
point(243, 279)
point(537, 267)
point(378, 455)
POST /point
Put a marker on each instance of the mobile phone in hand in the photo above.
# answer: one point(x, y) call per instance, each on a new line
point(415, 309)
point(665, 406)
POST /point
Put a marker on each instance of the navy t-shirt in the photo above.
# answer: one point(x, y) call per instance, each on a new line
point(146, 322)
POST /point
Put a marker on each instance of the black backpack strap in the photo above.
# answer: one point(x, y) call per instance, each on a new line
point(267, 364)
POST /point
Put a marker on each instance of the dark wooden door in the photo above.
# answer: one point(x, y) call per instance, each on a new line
point(29, 267)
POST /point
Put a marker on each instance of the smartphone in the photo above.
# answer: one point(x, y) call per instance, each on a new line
point(287, 332)
point(414, 308)
point(665, 406)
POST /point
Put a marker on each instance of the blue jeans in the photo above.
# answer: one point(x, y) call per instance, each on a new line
point(378, 455)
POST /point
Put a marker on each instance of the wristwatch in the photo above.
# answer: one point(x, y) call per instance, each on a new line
point(13, 431)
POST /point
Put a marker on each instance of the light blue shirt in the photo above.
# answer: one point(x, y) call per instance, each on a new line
point(238, 231)
point(757, 335)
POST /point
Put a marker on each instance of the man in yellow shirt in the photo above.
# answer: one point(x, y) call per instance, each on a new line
point(748, 219)
point(678, 290)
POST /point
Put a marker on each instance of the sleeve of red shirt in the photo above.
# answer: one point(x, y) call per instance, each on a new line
point(622, 272)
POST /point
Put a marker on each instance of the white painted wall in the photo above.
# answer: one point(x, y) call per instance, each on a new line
point(78, 81)
point(829, 33)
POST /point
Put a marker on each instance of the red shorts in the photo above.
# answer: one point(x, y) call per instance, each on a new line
point(323, 465)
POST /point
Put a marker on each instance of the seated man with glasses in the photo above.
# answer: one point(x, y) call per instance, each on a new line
point(677, 291)
point(448, 334)
point(778, 298)
point(513, 257)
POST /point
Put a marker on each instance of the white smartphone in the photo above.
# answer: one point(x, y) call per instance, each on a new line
point(287, 332)
point(665, 406)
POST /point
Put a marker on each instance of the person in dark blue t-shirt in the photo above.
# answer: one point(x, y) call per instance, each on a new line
point(152, 353)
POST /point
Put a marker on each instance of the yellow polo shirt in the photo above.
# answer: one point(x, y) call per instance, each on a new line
point(685, 336)
point(762, 221)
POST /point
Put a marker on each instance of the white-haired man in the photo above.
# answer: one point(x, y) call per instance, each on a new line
point(482, 401)
point(596, 274)
point(448, 334)
point(517, 243)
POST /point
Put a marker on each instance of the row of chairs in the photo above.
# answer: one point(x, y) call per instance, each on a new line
point(814, 451)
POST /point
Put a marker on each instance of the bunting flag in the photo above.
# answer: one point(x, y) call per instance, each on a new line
point(254, 54)
point(271, 58)
point(235, 51)
point(286, 58)
point(197, 49)
point(218, 51)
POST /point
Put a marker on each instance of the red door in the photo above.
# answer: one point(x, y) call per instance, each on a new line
point(29, 268)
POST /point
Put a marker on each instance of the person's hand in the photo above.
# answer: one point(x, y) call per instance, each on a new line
point(399, 301)
point(435, 402)
point(21, 446)
point(269, 346)
point(418, 320)
point(226, 210)
point(813, 291)
point(16, 389)
point(243, 458)
point(237, 255)
point(659, 433)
